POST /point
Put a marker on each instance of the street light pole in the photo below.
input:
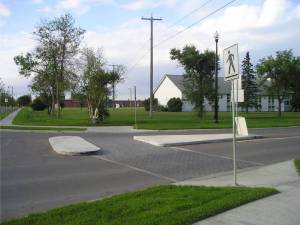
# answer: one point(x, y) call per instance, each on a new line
point(216, 79)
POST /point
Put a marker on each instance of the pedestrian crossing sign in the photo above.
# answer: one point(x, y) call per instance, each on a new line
point(231, 62)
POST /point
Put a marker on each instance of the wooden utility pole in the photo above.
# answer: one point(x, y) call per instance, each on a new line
point(151, 19)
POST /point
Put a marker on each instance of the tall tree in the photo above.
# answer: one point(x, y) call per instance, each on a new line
point(51, 61)
point(199, 75)
point(116, 76)
point(95, 82)
point(277, 73)
point(249, 84)
point(295, 86)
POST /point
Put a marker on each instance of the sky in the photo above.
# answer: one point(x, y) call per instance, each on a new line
point(261, 27)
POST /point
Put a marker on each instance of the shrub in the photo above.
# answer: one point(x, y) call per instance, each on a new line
point(174, 105)
point(147, 104)
point(38, 105)
point(24, 100)
point(162, 108)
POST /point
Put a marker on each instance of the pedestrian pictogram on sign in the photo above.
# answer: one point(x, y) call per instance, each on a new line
point(231, 62)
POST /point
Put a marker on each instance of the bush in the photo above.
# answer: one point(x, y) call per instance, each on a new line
point(24, 100)
point(174, 105)
point(147, 104)
point(162, 108)
point(38, 105)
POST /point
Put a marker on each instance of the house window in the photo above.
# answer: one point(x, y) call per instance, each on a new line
point(228, 102)
point(258, 103)
point(271, 106)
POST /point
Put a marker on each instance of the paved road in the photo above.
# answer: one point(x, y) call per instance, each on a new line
point(34, 178)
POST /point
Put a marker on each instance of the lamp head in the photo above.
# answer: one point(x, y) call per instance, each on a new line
point(216, 36)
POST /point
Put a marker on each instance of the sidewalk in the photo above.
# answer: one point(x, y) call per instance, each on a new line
point(7, 121)
point(280, 209)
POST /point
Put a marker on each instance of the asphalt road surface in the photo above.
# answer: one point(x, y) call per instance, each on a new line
point(34, 178)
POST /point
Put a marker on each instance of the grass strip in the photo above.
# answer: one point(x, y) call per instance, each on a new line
point(159, 120)
point(3, 115)
point(297, 164)
point(42, 128)
point(163, 205)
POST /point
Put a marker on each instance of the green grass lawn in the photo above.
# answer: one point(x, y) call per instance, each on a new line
point(163, 205)
point(160, 120)
point(3, 114)
point(42, 128)
point(297, 164)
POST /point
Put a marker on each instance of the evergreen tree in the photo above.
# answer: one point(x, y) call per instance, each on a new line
point(249, 84)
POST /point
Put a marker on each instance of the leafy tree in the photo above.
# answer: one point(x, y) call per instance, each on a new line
point(295, 86)
point(277, 72)
point(51, 63)
point(147, 104)
point(116, 77)
point(95, 82)
point(38, 104)
point(24, 100)
point(5, 94)
point(249, 84)
point(199, 75)
point(174, 105)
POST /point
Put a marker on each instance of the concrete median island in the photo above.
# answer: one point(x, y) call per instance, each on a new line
point(174, 140)
point(72, 145)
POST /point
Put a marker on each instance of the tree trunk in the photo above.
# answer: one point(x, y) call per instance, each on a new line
point(52, 102)
point(57, 97)
point(114, 105)
point(279, 107)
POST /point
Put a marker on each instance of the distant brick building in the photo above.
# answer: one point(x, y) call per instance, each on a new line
point(119, 103)
point(71, 103)
point(128, 103)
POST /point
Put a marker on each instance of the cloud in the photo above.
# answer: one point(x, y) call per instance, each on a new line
point(4, 10)
point(261, 28)
point(143, 4)
point(45, 9)
point(12, 45)
point(79, 7)
point(37, 1)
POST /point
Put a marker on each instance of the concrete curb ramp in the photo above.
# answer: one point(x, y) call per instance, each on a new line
point(72, 145)
point(174, 140)
point(278, 175)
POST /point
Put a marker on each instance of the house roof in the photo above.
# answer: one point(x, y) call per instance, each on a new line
point(224, 87)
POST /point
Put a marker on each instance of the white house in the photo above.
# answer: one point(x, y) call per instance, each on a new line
point(171, 86)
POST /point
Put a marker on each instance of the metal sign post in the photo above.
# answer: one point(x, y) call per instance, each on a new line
point(135, 120)
point(234, 133)
point(231, 70)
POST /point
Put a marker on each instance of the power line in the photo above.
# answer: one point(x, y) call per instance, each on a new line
point(136, 62)
point(195, 23)
point(190, 13)
point(179, 32)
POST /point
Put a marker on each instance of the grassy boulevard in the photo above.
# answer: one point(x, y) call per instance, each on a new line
point(160, 120)
point(163, 205)
point(297, 164)
point(3, 114)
